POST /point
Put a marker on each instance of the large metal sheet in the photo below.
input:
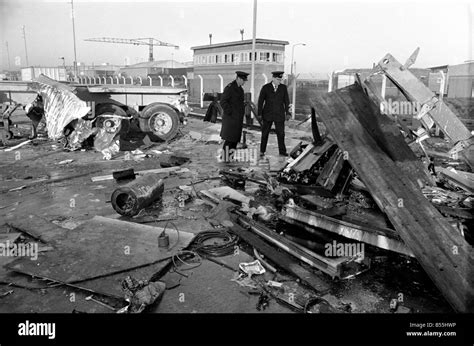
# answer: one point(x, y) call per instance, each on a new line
point(61, 106)
point(100, 247)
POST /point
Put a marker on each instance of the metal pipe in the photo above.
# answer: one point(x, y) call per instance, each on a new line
point(74, 38)
point(222, 82)
point(254, 33)
point(293, 72)
point(201, 95)
point(129, 199)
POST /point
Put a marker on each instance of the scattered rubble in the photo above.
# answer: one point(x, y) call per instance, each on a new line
point(364, 190)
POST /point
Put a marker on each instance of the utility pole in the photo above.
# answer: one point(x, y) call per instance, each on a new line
point(242, 34)
point(293, 74)
point(8, 55)
point(210, 39)
point(74, 39)
point(26, 50)
point(254, 33)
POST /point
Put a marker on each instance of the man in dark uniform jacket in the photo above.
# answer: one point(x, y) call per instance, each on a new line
point(273, 107)
point(232, 102)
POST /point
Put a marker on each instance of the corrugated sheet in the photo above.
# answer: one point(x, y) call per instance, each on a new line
point(61, 106)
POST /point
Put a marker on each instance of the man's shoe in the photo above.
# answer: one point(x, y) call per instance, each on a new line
point(284, 154)
point(262, 155)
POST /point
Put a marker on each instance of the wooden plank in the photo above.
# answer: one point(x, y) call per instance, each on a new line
point(443, 253)
point(464, 180)
point(305, 152)
point(177, 169)
point(385, 132)
point(224, 192)
point(416, 91)
point(282, 259)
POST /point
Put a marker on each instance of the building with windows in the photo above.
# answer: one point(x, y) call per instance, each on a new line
point(215, 64)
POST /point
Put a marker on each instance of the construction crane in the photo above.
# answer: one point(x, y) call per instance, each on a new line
point(148, 41)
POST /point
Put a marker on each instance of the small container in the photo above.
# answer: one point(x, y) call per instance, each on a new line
point(129, 199)
point(163, 240)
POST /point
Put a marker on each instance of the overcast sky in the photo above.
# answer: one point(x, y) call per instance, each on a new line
point(338, 34)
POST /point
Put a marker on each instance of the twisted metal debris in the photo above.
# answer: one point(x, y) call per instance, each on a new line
point(61, 106)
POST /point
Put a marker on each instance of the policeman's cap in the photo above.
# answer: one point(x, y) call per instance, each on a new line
point(242, 75)
point(278, 74)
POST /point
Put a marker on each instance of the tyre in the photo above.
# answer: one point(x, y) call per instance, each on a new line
point(112, 123)
point(7, 134)
point(161, 120)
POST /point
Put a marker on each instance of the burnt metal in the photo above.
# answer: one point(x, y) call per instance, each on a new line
point(129, 199)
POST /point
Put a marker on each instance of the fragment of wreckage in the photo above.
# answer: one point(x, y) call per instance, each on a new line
point(443, 252)
point(383, 238)
point(340, 267)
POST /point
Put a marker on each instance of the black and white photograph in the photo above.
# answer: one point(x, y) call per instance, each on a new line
point(235, 167)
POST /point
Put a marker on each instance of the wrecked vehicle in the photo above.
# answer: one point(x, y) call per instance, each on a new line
point(157, 111)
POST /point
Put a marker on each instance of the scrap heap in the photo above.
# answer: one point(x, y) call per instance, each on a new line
point(364, 182)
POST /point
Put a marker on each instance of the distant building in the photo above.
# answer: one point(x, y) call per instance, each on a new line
point(216, 64)
point(104, 70)
point(461, 80)
point(159, 69)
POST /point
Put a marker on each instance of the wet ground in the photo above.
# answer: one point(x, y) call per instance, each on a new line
point(25, 191)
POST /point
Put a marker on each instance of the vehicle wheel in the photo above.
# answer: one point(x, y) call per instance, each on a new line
point(112, 124)
point(161, 120)
point(8, 135)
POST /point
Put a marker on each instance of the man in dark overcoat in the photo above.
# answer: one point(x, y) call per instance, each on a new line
point(232, 102)
point(273, 107)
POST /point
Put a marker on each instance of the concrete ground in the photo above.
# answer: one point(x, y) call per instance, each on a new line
point(207, 288)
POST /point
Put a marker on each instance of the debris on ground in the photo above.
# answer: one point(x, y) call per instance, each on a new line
point(360, 201)
point(141, 294)
point(130, 199)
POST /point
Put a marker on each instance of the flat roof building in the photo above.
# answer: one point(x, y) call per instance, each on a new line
point(216, 64)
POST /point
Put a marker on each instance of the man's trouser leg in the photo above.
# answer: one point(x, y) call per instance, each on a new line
point(280, 131)
point(266, 126)
point(228, 146)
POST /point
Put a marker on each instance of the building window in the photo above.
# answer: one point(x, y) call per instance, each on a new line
point(219, 59)
point(277, 57)
point(264, 56)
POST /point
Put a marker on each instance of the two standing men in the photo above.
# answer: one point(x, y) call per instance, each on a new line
point(273, 106)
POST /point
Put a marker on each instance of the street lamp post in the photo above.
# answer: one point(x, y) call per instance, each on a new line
point(293, 72)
